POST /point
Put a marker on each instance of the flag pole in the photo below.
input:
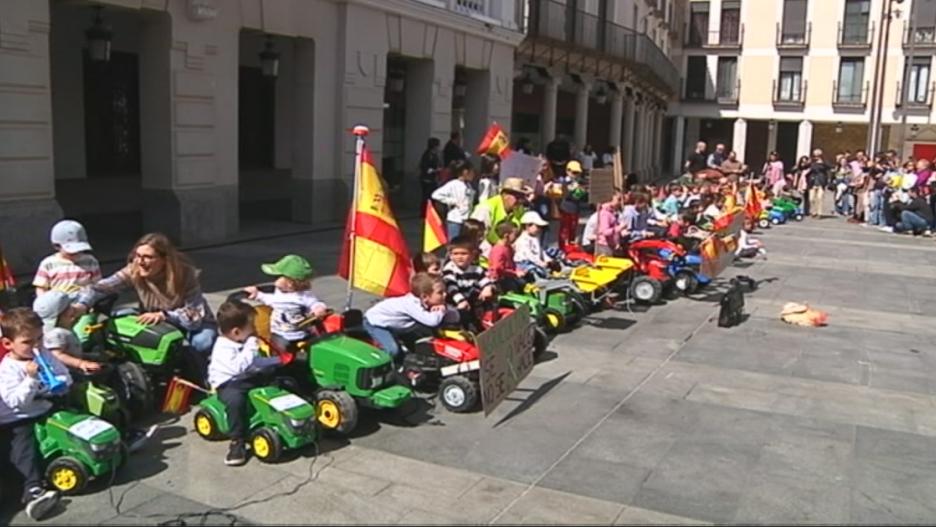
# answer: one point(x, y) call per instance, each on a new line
point(360, 132)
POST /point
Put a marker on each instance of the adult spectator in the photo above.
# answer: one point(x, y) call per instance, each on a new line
point(716, 158)
point(731, 167)
point(819, 178)
point(558, 153)
point(914, 214)
point(697, 161)
point(523, 146)
point(587, 158)
point(429, 165)
point(773, 173)
point(508, 205)
point(453, 150)
point(607, 159)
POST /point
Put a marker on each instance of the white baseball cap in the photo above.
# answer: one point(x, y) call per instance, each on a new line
point(533, 217)
point(70, 236)
point(50, 305)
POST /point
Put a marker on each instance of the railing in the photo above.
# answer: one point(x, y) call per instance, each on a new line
point(796, 97)
point(855, 36)
point(471, 7)
point(923, 37)
point(915, 102)
point(548, 20)
point(729, 95)
point(851, 98)
point(794, 39)
point(695, 93)
point(724, 38)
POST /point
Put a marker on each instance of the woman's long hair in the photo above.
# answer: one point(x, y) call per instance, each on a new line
point(176, 270)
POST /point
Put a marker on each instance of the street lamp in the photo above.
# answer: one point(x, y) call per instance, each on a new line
point(601, 96)
point(395, 82)
point(914, 130)
point(269, 59)
point(771, 124)
point(99, 38)
point(460, 89)
point(839, 127)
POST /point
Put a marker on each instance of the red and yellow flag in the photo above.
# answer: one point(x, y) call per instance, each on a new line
point(495, 142)
point(382, 264)
point(752, 205)
point(433, 231)
point(7, 281)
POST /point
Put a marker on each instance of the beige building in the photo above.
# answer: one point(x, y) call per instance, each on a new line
point(791, 75)
point(205, 116)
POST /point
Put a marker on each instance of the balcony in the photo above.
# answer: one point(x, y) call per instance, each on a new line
point(849, 99)
point(917, 103)
point(793, 98)
point(794, 39)
point(923, 37)
point(557, 34)
point(729, 95)
point(855, 36)
point(729, 38)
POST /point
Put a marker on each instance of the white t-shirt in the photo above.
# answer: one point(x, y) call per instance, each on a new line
point(289, 309)
point(527, 249)
point(230, 358)
point(590, 233)
point(459, 196)
point(19, 391)
point(63, 340)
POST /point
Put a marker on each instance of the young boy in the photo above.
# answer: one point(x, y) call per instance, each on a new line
point(528, 253)
point(20, 405)
point(71, 267)
point(502, 268)
point(292, 301)
point(570, 207)
point(465, 282)
point(426, 262)
point(235, 355)
point(409, 317)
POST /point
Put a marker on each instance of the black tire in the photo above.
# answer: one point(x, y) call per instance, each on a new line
point(554, 320)
point(540, 342)
point(76, 469)
point(645, 289)
point(686, 282)
point(329, 401)
point(206, 426)
point(458, 394)
point(763, 223)
point(798, 217)
point(579, 308)
point(136, 389)
point(274, 446)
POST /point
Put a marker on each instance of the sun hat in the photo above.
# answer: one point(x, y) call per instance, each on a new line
point(291, 266)
point(516, 185)
point(70, 236)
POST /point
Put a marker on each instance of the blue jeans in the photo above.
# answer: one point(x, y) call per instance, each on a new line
point(202, 340)
point(452, 230)
point(876, 208)
point(911, 221)
point(384, 337)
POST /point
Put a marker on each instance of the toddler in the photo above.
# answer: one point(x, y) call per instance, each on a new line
point(71, 267)
point(292, 301)
point(528, 253)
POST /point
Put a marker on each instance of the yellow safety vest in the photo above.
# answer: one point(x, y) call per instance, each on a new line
point(498, 214)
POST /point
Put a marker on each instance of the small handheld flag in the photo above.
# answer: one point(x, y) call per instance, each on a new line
point(433, 232)
point(495, 142)
point(177, 395)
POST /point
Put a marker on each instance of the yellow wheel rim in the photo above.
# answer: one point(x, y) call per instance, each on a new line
point(64, 479)
point(203, 425)
point(329, 414)
point(553, 320)
point(261, 447)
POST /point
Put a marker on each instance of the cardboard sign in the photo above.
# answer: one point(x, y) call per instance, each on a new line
point(618, 170)
point(601, 185)
point(506, 357)
point(718, 251)
point(522, 166)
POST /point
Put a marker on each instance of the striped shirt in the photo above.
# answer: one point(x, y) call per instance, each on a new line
point(464, 284)
point(59, 273)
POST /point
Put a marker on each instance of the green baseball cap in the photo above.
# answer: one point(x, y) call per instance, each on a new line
point(291, 266)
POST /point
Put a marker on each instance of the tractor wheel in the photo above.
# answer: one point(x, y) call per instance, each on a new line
point(135, 389)
point(579, 308)
point(336, 410)
point(206, 426)
point(458, 393)
point(555, 320)
point(540, 342)
point(775, 221)
point(798, 217)
point(67, 475)
point(266, 445)
point(646, 290)
point(686, 282)
point(763, 223)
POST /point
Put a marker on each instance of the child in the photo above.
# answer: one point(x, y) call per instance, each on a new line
point(476, 230)
point(427, 263)
point(235, 355)
point(608, 232)
point(749, 247)
point(458, 194)
point(570, 207)
point(71, 267)
point(20, 406)
point(529, 254)
point(410, 316)
point(465, 282)
point(502, 269)
point(292, 301)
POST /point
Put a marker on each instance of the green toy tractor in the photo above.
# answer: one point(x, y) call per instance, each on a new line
point(77, 448)
point(554, 304)
point(279, 421)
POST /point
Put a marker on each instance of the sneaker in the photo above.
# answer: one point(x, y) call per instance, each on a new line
point(928, 233)
point(886, 229)
point(137, 439)
point(41, 502)
point(237, 454)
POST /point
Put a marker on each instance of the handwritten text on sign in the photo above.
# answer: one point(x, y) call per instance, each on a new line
point(506, 357)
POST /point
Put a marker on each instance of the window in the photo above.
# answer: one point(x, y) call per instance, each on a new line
point(791, 79)
point(850, 80)
point(918, 86)
point(730, 22)
point(256, 119)
point(727, 78)
point(696, 75)
point(698, 23)
point(855, 28)
point(923, 13)
point(794, 22)
point(112, 116)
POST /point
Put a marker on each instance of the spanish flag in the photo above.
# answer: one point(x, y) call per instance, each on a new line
point(495, 142)
point(381, 262)
point(752, 205)
point(7, 281)
point(433, 231)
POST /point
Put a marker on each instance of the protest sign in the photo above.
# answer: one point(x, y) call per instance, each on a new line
point(522, 166)
point(600, 185)
point(506, 357)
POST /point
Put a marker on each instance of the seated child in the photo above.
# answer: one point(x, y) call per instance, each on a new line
point(528, 253)
point(427, 262)
point(21, 404)
point(502, 269)
point(58, 316)
point(476, 230)
point(234, 358)
point(292, 301)
point(411, 316)
point(749, 247)
point(72, 267)
point(465, 282)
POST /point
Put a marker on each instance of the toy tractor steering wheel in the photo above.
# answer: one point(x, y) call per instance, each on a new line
point(316, 320)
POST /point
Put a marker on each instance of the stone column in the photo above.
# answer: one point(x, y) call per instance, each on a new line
point(581, 116)
point(739, 138)
point(550, 100)
point(804, 139)
point(617, 114)
point(679, 144)
point(627, 151)
point(27, 177)
point(429, 85)
point(658, 143)
point(639, 134)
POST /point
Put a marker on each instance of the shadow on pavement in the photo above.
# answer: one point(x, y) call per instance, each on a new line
point(534, 396)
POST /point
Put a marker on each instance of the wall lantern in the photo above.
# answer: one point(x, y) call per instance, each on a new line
point(99, 38)
point(460, 88)
point(914, 130)
point(771, 124)
point(269, 59)
point(601, 96)
point(395, 81)
point(839, 127)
